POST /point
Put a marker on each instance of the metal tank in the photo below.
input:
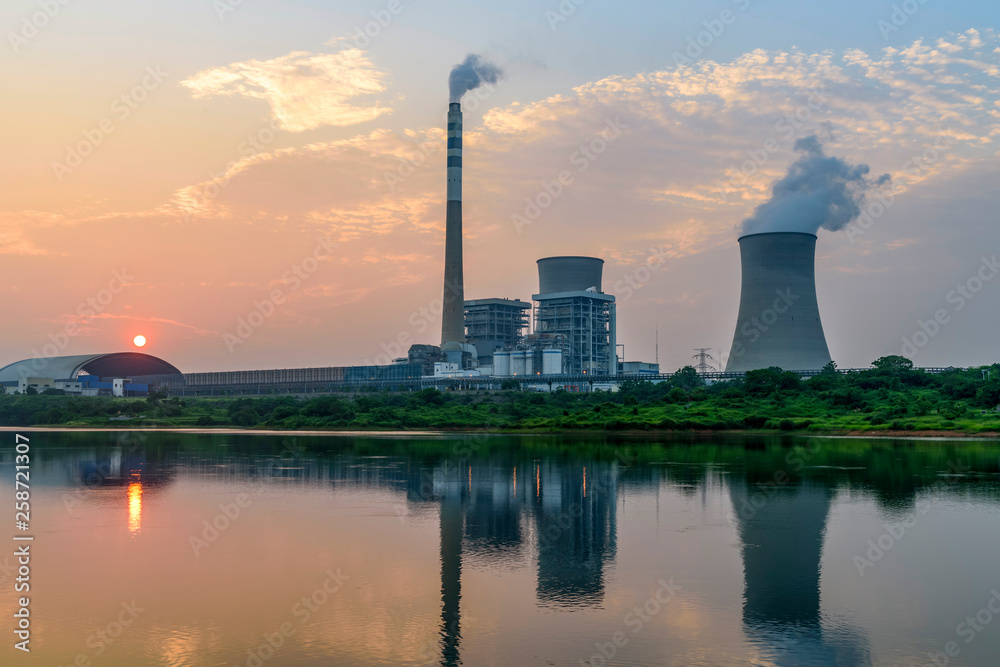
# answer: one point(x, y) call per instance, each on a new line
point(517, 362)
point(501, 363)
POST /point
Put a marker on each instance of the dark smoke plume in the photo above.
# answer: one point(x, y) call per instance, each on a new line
point(818, 191)
point(472, 73)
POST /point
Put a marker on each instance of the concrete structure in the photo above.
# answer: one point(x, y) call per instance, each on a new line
point(571, 305)
point(495, 324)
point(779, 323)
point(423, 355)
point(452, 323)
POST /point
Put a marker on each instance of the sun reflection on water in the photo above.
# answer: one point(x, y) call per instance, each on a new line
point(134, 507)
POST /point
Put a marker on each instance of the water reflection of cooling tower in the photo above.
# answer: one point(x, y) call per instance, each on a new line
point(576, 525)
point(782, 540)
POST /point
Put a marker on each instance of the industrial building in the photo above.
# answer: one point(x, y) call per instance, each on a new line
point(495, 324)
point(571, 305)
point(86, 375)
point(564, 337)
point(778, 323)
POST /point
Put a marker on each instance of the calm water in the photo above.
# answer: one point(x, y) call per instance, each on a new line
point(496, 550)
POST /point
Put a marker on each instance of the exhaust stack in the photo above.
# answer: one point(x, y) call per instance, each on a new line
point(779, 323)
point(453, 311)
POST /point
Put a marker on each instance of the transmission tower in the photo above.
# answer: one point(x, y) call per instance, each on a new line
point(703, 358)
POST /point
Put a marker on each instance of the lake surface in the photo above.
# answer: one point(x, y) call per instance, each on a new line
point(243, 550)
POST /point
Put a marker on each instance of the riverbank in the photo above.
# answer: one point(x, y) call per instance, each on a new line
point(891, 400)
point(394, 433)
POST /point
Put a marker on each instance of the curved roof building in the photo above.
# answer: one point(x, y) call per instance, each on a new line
point(116, 364)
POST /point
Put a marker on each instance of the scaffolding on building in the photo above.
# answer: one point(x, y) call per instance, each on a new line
point(495, 324)
point(586, 320)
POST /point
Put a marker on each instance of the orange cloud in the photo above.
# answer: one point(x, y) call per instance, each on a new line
point(304, 90)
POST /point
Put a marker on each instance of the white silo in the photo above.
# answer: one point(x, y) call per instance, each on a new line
point(517, 362)
point(501, 363)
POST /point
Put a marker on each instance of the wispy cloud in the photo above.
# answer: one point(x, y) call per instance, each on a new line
point(85, 319)
point(305, 90)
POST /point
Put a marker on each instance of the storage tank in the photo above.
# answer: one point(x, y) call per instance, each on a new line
point(551, 362)
point(529, 363)
point(779, 323)
point(517, 363)
point(501, 363)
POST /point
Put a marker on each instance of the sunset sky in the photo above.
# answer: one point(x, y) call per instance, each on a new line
point(179, 163)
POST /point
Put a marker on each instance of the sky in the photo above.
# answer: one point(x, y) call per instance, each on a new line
point(260, 184)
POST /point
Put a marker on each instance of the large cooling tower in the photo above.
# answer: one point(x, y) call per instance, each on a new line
point(569, 274)
point(453, 310)
point(779, 323)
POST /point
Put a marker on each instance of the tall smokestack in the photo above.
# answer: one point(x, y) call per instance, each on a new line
point(453, 314)
point(779, 323)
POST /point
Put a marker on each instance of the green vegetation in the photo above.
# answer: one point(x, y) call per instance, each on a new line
point(892, 396)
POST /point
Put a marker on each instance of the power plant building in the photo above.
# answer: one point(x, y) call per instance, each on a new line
point(572, 308)
point(494, 324)
point(779, 323)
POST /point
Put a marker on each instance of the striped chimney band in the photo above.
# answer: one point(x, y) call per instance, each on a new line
point(455, 152)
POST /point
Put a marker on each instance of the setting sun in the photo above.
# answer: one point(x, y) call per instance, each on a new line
point(139, 341)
